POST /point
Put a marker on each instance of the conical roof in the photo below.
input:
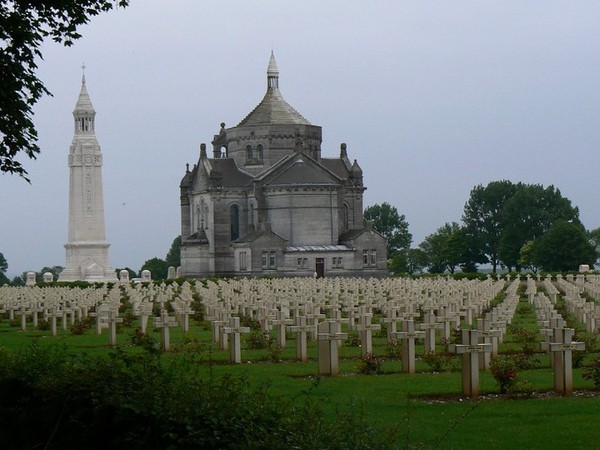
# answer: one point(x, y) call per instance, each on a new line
point(84, 104)
point(273, 109)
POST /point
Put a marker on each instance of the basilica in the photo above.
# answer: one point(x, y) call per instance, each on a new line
point(266, 203)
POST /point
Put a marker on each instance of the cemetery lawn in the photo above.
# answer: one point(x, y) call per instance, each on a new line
point(426, 409)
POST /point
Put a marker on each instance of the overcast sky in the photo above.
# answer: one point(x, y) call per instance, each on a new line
point(432, 98)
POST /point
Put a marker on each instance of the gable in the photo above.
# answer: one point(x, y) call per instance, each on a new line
point(261, 237)
point(299, 170)
point(365, 234)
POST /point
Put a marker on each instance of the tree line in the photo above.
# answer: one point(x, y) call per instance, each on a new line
point(513, 226)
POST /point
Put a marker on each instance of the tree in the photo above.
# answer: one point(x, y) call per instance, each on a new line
point(483, 220)
point(528, 214)
point(157, 267)
point(17, 281)
point(409, 260)
point(462, 251)
point(174, 256)
point(23, 26)
point(3, 269)
point(563, 247)
point(417, 260)
point(3, 264)
point(594, 238)
point(436, 247)
point(526, 256)
point(390, 224)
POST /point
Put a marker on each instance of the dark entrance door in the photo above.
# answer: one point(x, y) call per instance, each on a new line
point(320, 267)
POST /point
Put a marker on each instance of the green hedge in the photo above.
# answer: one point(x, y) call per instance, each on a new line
point(55, 401)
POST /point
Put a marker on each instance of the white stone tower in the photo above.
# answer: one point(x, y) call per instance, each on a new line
point(87, 250)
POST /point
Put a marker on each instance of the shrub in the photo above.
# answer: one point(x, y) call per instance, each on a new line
point(128, 319)
point(590, 346)
point(524, 308)
point(528, 339)
point(43, 325)
point(247, 321)
point(353, 340)
point(257, 340)
point(274, 354)
point(504, 371)
point(593, 373)
point(525, 361)
point(59, 401)
point(197, 307)
point(394, 348)
point(144, 340)
point(79, 327)
point(438, 362)
point(369, 365)
point(455, 336)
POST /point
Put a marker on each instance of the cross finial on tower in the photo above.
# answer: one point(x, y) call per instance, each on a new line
point(83, 73)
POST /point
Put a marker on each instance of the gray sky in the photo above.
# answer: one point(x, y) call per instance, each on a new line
point(432, 98)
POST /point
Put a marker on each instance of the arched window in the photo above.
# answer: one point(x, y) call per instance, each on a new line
point(248, 152)
point(234, 212)
point(346, 217)
point(201, 214)
point(259, 150)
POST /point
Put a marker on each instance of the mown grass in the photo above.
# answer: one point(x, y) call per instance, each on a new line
point(427, 408)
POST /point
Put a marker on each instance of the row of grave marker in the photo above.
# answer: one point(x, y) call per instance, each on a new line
point(328, 331)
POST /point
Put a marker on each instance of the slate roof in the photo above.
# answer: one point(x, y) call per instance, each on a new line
point(336, 165)
point(351, 234)
point(199, 236)
point(273, 109)
point(232, 175)
point(254, 235)
point(302, 173)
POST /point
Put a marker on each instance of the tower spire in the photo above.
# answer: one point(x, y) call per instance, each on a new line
point(272, 73)
point(87, 249)
point(84, 112)
point(84, 103)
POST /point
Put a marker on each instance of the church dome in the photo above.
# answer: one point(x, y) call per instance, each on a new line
point(273, 109)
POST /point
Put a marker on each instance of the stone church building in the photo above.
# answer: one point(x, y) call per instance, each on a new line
point(267, 203)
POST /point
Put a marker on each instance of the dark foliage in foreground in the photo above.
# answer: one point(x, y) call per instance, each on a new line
point(51, 400)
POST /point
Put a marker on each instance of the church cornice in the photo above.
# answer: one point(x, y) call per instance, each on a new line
point(301, 188)
point(271, 137)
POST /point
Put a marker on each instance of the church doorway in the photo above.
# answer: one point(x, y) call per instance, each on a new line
point(320, 267)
